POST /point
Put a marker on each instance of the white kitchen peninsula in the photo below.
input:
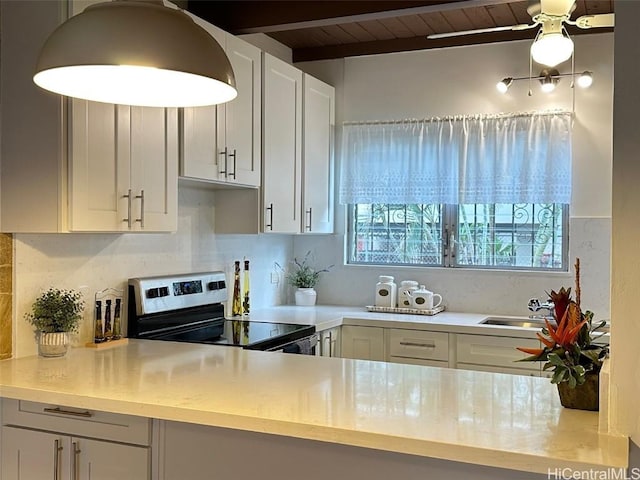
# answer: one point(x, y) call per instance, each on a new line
point(336, 413)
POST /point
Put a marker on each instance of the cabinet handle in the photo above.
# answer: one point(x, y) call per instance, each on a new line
point(308, 212)
point(414, 344)
point(128, 219)
point(233, 155)
point(76, 461)
point(331, 344)
point(57, 448)
point(60, 411)
point(225, 152)
point(141, 219)
point(270, 224)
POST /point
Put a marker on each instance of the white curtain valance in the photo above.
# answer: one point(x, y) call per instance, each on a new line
point(524, 158)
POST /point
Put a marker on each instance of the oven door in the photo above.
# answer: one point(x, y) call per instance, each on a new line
point(302, 346)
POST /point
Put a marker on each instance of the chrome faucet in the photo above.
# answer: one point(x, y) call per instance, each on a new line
point(535, 305)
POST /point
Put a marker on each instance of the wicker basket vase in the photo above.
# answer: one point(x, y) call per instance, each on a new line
point(582, 397)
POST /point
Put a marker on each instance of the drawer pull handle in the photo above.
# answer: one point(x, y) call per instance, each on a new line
point(60, 411)
point(414, 344)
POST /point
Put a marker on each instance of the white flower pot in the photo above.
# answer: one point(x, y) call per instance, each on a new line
point(306, 297)
point(53, 344)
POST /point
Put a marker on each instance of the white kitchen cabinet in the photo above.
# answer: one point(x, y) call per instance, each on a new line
point(493, 353)
point(317, 156)
point(364, 343)
point(418, 347)
point(32, 454)
point(298, 121)
point(282, 146)
point(67, 165)
point(329, 342)
point(123, 164)
point(222, 143)
point(40, 439)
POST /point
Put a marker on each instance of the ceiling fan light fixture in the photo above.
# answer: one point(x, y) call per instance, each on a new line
point(135, 52)
point(551, 49)
point(503, 85)
point(585, 79)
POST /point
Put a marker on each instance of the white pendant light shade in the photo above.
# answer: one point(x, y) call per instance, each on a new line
point(551, 49)
point(135, 52)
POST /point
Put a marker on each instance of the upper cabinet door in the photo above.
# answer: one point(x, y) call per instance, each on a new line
point(201, 139)
point(154, 169)
point(282, 146)
point(223, 143)
point(317, 157)
point(99, 166)
point(242, 115)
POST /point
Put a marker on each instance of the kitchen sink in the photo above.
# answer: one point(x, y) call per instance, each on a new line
point(514, 322)
point(529, 323)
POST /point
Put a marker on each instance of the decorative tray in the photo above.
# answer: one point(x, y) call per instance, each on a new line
point(410, 311)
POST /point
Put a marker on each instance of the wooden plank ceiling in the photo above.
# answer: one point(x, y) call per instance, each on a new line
point(317, 30)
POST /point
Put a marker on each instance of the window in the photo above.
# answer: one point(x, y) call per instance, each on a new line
point(487, 191)
point(514, 236)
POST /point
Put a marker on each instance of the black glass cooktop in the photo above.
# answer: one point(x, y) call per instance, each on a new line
point(260, 335)
point(238, 333)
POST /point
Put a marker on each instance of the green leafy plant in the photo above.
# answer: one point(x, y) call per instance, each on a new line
point(304, 275)
point(56, 311)
point(569, 349)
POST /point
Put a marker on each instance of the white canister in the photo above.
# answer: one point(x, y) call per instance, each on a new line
point(404, 300)
point(386, 292)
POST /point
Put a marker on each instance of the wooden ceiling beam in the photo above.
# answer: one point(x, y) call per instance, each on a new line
point(243, 17)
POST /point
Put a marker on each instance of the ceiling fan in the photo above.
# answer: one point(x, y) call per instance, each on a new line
point(552, 44)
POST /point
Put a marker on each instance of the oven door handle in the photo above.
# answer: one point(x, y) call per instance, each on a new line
point(313, 340)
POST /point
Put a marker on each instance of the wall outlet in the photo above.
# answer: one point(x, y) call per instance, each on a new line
point(275, 278)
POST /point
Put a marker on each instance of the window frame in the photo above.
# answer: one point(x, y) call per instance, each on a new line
point(448, 245)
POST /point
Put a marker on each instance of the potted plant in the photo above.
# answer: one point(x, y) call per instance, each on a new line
point(570, 351)
point(305, 278)
point(55, 314)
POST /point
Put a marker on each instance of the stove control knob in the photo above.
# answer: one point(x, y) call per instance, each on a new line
point(163, 292)
point(216, 285)
point(152, 293)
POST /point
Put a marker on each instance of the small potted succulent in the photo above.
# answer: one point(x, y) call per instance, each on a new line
point(305, 278)
point(55, 314)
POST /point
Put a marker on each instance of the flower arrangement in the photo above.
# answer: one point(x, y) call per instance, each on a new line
point(304, 275)
point(569, 349)
point(56, 311)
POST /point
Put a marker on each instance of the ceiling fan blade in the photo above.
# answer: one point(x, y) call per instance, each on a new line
point(522, 26)
point(595, 21)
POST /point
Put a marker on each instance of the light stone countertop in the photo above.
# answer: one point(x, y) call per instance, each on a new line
point(497, 420)
point(328, 316)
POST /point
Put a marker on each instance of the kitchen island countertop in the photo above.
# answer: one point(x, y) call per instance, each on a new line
point(497, 420)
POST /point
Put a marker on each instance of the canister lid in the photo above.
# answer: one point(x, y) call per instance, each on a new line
point(385, 279)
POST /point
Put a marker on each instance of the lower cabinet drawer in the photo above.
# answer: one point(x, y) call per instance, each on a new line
point(494, 351)
point(77, 421)
point(418, 344)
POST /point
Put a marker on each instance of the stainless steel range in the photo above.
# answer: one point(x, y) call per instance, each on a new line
point(190, 308)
